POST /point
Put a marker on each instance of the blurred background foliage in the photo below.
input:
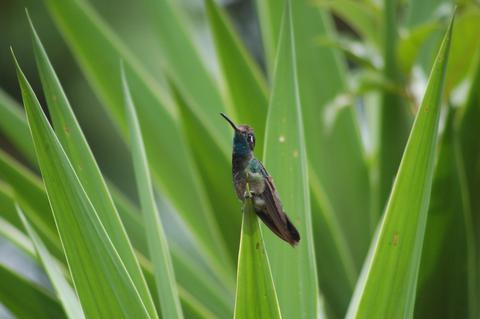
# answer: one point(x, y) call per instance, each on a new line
point(364, 66)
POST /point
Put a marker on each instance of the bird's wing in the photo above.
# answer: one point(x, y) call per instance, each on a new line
point(272, 213)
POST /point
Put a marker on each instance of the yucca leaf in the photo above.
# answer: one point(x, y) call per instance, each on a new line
point(215, 169)
point(269, 18)
point(78, 152)
point(11, 233)
point(245, 84)
point(331, 141)
point(158, 248)
point(388, 288)
point(362, 16)
point(194, 279)
point(445, 280)
point(7, 205)
point(395, 119)
point(14, 125)
point(182, 59)
point(26, 299)
point(255, 296)
point(101, 280)
point(64, 291)
point(28, 189)
point(468, 131)
point(293, 269)
point(98, 51)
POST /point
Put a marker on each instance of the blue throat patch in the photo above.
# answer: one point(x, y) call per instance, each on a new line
point(240, 145)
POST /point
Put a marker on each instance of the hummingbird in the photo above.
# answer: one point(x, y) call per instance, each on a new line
point(251, 180)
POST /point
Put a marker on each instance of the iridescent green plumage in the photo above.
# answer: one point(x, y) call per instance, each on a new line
point(251, 179)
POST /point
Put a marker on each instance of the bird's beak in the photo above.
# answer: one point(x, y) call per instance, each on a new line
point(229, 121)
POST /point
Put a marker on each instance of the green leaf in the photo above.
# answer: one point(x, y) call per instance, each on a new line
point(64, 291)
point(256, 297)
point(411, 43)
point(16, 237)
point(394, 117)
point(362, 16)
point(468, 132)
point(28, 189)
point(26, 299)
point(446, 282)
point(195, 281)
point(14, 125)
point(215, 169)
point(240, 73)
point(270, 17)
point(83, 162)
point(293, 269)
point(182, 59)
point(464, 47)
point(98, 51)
point(389, 284)
point(157, 243)
point(102, 282)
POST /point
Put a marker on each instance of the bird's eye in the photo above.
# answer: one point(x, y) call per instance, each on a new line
point(251, 139)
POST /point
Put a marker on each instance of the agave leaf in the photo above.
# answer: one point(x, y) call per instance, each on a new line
point(293, 269)
point(101, 280)
point(388, 287)
point(256, 296)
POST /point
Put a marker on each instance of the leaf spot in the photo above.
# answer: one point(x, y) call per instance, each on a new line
point(257, 245)
point(395, 239)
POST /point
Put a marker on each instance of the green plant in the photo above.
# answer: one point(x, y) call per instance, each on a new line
point(408, 193)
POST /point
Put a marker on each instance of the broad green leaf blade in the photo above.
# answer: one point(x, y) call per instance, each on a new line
point(64, 291)
point(215, 169)
point(468, 132)
point(157, 243)
point(445, 279)
point(388, 289)
point(98, 51)
point(256, 297)
point(14, 125)
point(83, 162)
point(26, 299)
point(245, 84)
point(182, 59)
point(293, 269)
point(101, 280)
point(394, 115)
